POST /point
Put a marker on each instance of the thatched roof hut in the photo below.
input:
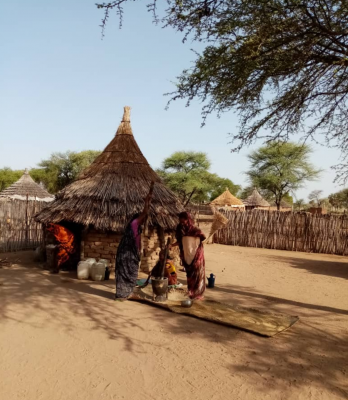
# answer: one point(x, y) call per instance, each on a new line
point(26, 189)
point(99, 204)
point(18, 205)
point(226, 199)
point(112, 189)
point(255, 200)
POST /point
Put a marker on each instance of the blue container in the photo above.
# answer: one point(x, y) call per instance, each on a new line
point(211, 281)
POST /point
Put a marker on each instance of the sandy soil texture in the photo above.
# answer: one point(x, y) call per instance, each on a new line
point(63, 339)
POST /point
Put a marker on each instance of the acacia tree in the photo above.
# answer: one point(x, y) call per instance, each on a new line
point(316, 196)
point(339, 199)
point(266, 194)
point(299, 204)
point(187, 174)
point(277, 63)
point(62, 168)
point(281, 168)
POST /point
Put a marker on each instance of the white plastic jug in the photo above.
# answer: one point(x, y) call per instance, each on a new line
point(91, 262)
point(83, 268)
point(98, 271)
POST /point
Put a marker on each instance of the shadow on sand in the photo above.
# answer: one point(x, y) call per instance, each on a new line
point(303, 354)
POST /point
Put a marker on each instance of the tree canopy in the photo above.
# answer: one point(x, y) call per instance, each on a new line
point(62, 168)
point(299, 204)
point(55, 173)
point(266, 194)
point(281, 65)
point(316, 197)
point(281, 168)
point(187, 174)
point(8, 177)
point(339, 200)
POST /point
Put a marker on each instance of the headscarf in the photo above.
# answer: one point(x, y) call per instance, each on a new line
point(188, 229)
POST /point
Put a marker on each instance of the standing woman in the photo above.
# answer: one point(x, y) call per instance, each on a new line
point(129, 253)
point(189, 239)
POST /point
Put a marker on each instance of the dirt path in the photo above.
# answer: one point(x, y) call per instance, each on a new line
point(66, 340)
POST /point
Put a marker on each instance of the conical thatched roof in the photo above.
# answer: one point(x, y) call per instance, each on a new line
point(227, 199)
point(256, 200)
point(113, 188)
point(25, 186)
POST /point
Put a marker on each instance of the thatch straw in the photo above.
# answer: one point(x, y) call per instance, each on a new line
point(219, 221)
point(256, 200)
point(227, 199)
point(113, 189)
point(26, 189)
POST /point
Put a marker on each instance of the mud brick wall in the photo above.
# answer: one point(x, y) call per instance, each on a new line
point(100, 245)
point(104, 245)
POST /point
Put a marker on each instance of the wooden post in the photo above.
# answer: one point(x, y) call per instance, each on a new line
point(165, 257)
point(27, 222)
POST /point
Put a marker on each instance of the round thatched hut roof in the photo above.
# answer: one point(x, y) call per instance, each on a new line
point(113, 188)
point(227, 199)
point(26, 189)
point(255, 200)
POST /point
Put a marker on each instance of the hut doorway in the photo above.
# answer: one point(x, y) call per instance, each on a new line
point(63, 246)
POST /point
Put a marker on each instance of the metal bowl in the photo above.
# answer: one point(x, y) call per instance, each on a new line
point(187, 303)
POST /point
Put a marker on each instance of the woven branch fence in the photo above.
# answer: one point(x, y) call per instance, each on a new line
point(18, 230)
point(286, 231)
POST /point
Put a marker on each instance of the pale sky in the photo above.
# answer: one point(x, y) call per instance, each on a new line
point(63, 88)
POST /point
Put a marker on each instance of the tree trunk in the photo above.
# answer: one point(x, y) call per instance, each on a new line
point(190, 197)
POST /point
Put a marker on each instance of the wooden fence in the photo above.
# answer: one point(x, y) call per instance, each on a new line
point(197, 209)
point(286, 231)
point(18, 230)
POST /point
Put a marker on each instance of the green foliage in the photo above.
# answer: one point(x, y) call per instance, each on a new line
point(187, 174)
point(299, 204)
point(62, 168)
point(220, 185)
point(8, 177)
point(266, 194)
point(339, 200)
point(281, 168)
point(276, 63)
point(56, 172)
point(288, 199)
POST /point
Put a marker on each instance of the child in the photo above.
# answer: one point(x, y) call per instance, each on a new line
point(169, 271)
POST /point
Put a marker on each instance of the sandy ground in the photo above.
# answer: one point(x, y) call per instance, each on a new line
point(68, 340)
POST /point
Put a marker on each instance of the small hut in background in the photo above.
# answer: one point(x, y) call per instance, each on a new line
point(255, 200)
point(99, 204)
point(18, 205)
point(228, 201)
